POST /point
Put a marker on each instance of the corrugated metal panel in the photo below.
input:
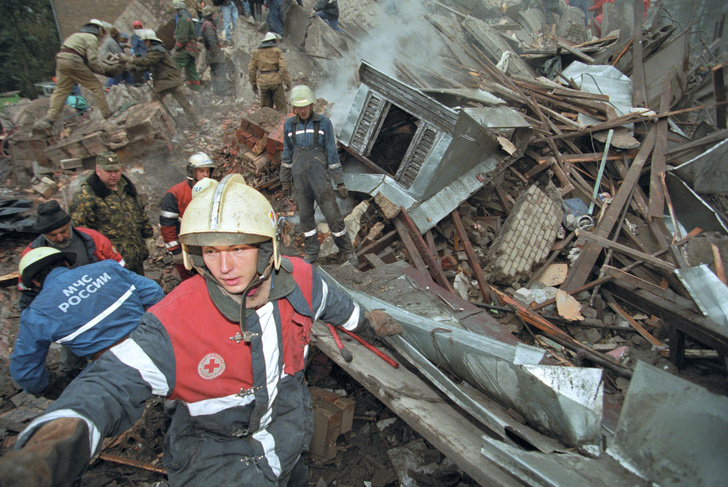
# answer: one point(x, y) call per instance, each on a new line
point(416, 155)
point(409, 99)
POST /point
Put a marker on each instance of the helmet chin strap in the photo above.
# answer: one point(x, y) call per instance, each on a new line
point(243, 302)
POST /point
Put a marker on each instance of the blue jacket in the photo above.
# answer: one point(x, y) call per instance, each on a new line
point(89, 309)
point(302, 132)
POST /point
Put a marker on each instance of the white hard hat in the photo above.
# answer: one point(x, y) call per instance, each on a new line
point(197, 161)
point(302, 96)
point(149, 35)
point(228, 213)
point(271, 36)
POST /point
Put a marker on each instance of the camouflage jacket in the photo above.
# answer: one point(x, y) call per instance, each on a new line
point(165, 73)
point(117, 214)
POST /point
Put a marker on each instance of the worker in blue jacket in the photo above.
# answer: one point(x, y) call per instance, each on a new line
point(89, 309)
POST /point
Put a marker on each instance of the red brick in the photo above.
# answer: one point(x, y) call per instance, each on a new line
point(257, 131)
point(244, 124)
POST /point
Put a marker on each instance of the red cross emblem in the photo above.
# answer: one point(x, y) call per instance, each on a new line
point(211, 366)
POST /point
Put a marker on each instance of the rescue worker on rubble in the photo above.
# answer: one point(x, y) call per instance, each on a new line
point(185, 49)
point(166, 77)
point(268, 73)
point(275, 16)
point(309, 161)
point(228, 344)
point(56, 231)
point(175, 203)
point(214, 56)
point(87, 308)
point(108, 202)
point(112, 51)
point(328, 10)
point(77, 62)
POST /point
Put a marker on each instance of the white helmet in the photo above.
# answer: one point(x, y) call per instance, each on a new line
point(178, 4)
point(230, 213)
point(302, 96)
point(149, 35)
point(198, 161)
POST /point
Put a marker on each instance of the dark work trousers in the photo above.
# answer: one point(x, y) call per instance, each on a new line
point(273, 95)
point(313, 184)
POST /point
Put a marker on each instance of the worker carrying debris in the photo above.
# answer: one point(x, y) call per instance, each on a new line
point(56, 231)
point(309, 161)
point(268, 73)
point(174, 204)
point(109, 203)
point(228, 344)
point(88, 308)
point(166, 76)
point(77, 62)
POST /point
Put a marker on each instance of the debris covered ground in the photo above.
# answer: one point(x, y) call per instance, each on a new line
point(592, 231)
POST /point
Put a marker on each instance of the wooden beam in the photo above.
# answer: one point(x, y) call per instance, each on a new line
point(657, 167)
point(720, 96)
point(584, 264)
point(640, 329)
point(409, 246)
point(610, 244)
point(485, 289)
point(650, 287)
point(435, 271)
point(639, 93)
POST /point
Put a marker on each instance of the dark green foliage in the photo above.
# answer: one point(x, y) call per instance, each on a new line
point(28, 45)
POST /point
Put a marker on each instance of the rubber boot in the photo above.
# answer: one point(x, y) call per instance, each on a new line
point(352, 259)
point(312, 249)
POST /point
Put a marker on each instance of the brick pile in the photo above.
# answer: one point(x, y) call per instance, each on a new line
point(526, 238)
point(262, 131)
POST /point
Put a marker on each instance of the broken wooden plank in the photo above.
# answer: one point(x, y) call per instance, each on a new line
point(650, 287)
point(409, 246)
point(485, 289)
point(720, 96)
point(584, 264)
point(430, 260)
point(132, 463)
point(610, 244)
point(657, 166)
point(718, 263)
point(640, 329)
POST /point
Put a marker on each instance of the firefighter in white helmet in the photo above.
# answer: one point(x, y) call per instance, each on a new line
point(309, 161)
point(228, 344)
point(175, 202)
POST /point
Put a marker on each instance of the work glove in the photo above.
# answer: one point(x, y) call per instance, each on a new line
point(255, 89)
point(343, 191)
point(382, 323)
point(56, 454)
point(178, 259)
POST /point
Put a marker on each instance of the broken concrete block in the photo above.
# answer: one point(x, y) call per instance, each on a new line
point(526, 238)
point(47, 187)
point(322, 40)
point(74, 163)
point(94, 144)
point(389, 209)
point(296, 25)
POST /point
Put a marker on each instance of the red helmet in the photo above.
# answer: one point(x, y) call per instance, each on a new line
point(136, 24)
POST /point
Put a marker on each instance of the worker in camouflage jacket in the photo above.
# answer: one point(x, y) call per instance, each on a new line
point(185, 45)
point(166, 76)
point(108, 202)
point(268, 72)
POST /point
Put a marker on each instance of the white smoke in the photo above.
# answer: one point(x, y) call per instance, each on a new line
point(403, 35)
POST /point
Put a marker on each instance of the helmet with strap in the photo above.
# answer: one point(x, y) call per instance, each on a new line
point(230, 213)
